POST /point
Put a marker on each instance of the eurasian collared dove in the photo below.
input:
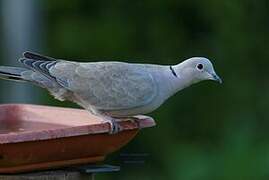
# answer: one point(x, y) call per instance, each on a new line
point(110, 89)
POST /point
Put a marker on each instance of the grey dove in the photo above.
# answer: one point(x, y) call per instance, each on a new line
point(110, 89)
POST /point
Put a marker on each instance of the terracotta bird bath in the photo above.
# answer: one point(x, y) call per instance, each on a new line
point(40, 137)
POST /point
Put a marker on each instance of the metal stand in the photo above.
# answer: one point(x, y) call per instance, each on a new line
point(85, 172)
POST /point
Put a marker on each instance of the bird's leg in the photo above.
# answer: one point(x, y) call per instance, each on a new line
point(114, 125)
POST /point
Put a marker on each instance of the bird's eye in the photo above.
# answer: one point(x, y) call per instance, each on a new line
point(200, 66)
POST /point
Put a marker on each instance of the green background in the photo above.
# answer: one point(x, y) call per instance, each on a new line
point(207, 131)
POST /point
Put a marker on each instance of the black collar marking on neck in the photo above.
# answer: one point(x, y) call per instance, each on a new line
point(173, 71)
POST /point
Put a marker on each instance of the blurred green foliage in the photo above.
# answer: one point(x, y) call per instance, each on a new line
point(207, 131)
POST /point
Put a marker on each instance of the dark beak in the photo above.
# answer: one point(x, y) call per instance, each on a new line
point(216, 78)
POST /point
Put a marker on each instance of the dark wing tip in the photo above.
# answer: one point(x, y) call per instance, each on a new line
point(27, 62)
point(21, 60)
point(36, 56)
point(28, 54)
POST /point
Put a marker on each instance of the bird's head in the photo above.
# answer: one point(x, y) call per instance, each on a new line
point(197, 69)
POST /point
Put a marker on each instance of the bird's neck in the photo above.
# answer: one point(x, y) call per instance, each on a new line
point(179, 79)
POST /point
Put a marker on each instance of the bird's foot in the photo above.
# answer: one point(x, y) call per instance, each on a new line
point(115, 127)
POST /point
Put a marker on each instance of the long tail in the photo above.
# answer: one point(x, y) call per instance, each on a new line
point(36, 71)
point(12, 73)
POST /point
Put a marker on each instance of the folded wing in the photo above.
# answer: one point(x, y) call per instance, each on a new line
point(104, 85)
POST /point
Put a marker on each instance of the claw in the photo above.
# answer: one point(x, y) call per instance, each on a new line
point(115, 127)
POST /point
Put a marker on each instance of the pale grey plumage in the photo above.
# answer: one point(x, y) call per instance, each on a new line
point(110, 88)
point(106, 86)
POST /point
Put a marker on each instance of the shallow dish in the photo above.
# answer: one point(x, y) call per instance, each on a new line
point(36, 137)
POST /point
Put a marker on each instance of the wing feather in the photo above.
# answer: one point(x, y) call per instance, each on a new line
point(39, 66)
point(107, 85)
point(103, 85)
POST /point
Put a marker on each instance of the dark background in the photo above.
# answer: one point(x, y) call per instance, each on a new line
point(207, 131)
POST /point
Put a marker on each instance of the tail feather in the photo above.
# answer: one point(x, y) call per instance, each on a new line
point(12, 73)
point(36, 70)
